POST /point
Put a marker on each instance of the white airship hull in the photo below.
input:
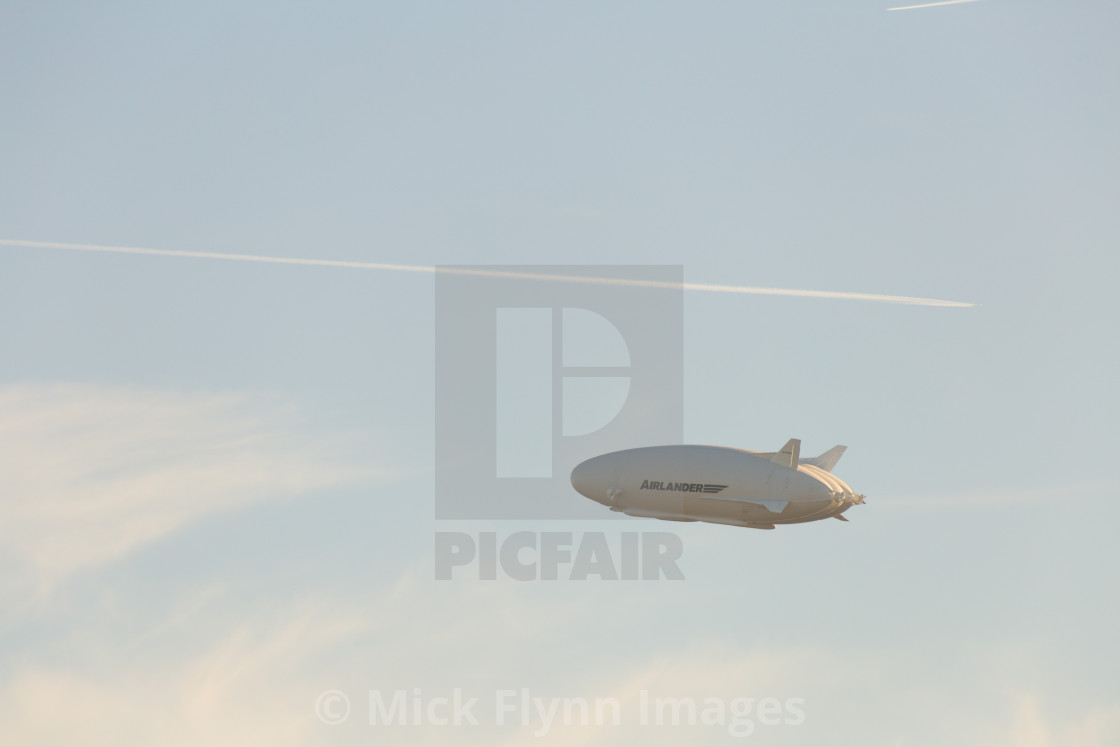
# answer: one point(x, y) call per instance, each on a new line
point(717, 484)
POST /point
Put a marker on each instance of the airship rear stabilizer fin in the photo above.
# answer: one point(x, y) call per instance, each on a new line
point(827, 460)
point(787, 456)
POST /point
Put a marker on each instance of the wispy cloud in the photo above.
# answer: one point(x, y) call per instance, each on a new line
point(479, 272)
point(87, 474)
point(231, 668)
point(933, 5)
point(237, 671)
point(237, 668)
point(241, 684)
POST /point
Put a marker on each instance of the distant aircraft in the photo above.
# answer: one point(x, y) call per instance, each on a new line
point(718, 484)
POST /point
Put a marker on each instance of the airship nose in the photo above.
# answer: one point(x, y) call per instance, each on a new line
point(590, 479)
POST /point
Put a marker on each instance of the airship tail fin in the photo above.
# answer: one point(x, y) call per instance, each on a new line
point(827, 460)
point(788, 455)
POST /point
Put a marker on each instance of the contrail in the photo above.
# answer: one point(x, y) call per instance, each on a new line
point(513, 275)
point(933, 5)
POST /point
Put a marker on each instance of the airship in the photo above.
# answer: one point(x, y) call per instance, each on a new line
point(718, 484)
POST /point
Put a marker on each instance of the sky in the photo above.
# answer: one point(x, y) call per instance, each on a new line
point(217, 478)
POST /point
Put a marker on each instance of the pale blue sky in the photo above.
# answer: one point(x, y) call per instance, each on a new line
point(966, 153)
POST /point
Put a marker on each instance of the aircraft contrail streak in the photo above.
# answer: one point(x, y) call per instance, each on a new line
point(933, 5)
point(479, 272)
